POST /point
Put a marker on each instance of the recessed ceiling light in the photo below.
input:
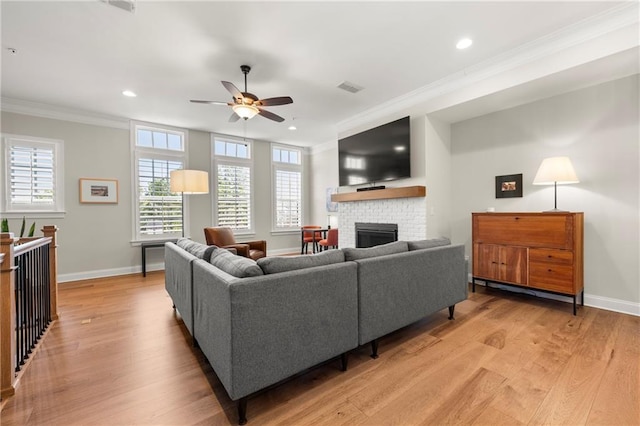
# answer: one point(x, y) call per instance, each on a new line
point(464, 43)
point(129, 93)
point(292, 127)
point(399, 148)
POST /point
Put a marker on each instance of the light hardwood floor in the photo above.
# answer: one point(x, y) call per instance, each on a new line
point(119, 355)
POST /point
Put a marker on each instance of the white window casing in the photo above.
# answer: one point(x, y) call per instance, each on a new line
point(287, 181)
point(233, 184)
point(33, 179)
point(157, 151)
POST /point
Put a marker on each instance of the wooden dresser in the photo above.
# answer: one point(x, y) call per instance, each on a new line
point(541, 251)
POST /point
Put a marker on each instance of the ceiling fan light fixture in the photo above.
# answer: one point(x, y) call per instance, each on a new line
point(245, 111)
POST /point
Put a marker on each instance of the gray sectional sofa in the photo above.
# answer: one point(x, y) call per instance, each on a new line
point(259, 323)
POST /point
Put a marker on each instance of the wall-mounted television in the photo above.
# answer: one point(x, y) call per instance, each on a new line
point(376, 155)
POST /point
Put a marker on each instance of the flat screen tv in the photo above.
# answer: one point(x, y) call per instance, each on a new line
point(376, 155)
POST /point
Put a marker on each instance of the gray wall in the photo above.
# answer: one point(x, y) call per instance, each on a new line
point(95, 240)
point(597, 128)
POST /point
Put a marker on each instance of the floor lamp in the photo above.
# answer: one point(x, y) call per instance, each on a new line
point(554, 171)
point(189, 182)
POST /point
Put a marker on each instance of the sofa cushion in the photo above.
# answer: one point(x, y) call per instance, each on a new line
point(425, 244)
point(238, 266)
point(381, 250)
point(275, 264)
point(195, 248)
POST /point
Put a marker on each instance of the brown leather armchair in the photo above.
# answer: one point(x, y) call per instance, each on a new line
point(223, 237)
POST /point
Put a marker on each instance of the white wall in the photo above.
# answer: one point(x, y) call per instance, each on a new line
point(597, 128)
point(324, 175)
point(438, 177)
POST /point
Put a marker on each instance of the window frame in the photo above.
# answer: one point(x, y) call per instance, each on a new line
point(54, 211)
point(141, 152)
point(234, 161)
point(289, 167)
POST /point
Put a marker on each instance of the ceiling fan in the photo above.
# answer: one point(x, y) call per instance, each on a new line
point(246, 105)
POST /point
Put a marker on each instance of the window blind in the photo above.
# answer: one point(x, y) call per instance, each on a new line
point(234, 196)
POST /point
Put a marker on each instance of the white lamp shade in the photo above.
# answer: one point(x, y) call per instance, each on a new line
point(245, 111)
point(555, 170)
point(190, 181)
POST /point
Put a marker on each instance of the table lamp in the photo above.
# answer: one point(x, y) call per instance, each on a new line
point(554, 171)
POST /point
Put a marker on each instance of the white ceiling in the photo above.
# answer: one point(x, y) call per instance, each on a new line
point(81, 55)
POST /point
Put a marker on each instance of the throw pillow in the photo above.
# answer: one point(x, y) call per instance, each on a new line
point(375, 251)
point(195, 248)
point(275, 264)
point(238, 266)
point(425, 244)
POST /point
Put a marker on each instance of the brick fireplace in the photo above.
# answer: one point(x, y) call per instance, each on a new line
point(410, 214)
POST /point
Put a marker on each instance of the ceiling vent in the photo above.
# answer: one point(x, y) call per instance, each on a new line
point(350, 87)
point(128, 5)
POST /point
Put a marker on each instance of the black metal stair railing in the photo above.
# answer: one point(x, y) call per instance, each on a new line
point(32, 296)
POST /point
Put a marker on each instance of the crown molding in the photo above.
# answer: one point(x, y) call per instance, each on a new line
point(610, 20)
point(324, 146)
point(19, 106)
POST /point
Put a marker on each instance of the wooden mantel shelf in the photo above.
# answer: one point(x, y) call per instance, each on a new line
point(381, 194)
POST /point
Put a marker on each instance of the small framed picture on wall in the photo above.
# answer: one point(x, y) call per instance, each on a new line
point(99, 191)
point(509, 186)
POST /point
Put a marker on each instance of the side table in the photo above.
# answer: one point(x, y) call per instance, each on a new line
point(151, 244)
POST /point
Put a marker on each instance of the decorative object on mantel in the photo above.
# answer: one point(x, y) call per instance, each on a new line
point(382, 194)
point(332, 206)
point(98, 191)
point(509, 186)
point(554, 171)
point(188, 182)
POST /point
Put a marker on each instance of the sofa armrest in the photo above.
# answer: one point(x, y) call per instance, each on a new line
point(399, 289)
point(178, 281)
point(258, 331)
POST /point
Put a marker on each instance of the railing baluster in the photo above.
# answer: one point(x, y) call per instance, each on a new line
point(32, 300)
point(28, 296)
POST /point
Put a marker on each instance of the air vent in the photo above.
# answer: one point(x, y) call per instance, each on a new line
point(350, 87)
point(128, 5)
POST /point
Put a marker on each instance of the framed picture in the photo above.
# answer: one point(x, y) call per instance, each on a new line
point(99, 191)
point(509, 186)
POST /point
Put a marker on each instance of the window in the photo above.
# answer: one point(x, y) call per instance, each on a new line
point(34, 179)
point(234, 169)
point(287, 184)
point(157, 152)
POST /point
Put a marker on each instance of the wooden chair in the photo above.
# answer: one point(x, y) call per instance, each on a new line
point(223, 237)
point(331, 241)
point(308, 237)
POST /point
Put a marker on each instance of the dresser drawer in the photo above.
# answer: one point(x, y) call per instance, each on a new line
point(564, 257)
point(551, 276)
point(533, 230)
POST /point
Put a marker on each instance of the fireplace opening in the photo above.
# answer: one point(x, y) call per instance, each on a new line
point(374, 234)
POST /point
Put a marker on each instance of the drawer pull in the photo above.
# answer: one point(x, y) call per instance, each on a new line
point(549, 270)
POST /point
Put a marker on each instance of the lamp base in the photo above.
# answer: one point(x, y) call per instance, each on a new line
point(556, 211)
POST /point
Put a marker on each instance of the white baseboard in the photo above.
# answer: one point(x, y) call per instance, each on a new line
point(615, 305)
point(103, 273)
point(600, 302)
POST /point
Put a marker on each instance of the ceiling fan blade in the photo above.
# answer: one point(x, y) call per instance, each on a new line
point(233, 90)
point(234, 117)
point(282, 100)
point(270, 115)
point(196, 101)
